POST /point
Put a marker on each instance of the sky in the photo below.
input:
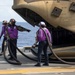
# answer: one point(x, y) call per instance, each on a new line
point(6, 11)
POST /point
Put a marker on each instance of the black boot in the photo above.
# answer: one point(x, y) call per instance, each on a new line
point(38, 64)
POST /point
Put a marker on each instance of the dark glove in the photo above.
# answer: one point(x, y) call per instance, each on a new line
point(34, 45)
point(28, 30)
point(0, 37)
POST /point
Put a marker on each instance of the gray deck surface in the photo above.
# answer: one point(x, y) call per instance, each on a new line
point(26, 63)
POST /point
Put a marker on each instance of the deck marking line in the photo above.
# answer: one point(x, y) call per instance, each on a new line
point(37, 70)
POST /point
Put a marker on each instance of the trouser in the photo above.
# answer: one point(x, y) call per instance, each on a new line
point(12, 43)
point(4, 39)
point(42, 46)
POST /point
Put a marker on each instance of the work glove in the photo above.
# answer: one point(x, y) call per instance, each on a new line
point(28, 30)
point(0, 37)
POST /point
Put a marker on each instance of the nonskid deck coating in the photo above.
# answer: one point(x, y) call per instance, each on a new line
point(37, 70)
point(28, 67)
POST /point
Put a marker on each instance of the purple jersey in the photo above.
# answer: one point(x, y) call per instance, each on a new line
point(3, 31)
point(41, 34)
point(13, 32)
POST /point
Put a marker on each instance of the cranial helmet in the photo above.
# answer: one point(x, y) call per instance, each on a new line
point(42, 24)
point(4, 22)
point(12, 21)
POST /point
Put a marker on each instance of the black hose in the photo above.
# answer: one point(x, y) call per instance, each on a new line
point(23, 53)
point(9, 49)
point(33, 52)
point(17, 62)
point(26, 55)
point(70, 63)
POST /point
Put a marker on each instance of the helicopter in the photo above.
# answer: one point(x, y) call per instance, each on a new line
point(59, 16)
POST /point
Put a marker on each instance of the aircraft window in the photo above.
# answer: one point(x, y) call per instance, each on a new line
point(56, 12)
point(72, 7)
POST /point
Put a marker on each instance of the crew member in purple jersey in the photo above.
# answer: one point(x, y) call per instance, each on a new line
point(3, 32)
point(43, 43)
point(13, 35)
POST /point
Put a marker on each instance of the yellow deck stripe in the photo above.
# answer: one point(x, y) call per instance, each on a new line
point(37, 70)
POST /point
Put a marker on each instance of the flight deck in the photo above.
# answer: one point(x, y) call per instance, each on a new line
point(27, 67)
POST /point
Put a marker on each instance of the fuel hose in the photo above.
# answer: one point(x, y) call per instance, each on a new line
point(50, 47)
point(19, 63)
point(23, 53)
point(9, 49)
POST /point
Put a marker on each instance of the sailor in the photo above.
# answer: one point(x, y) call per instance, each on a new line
point(43, 43)
point(3, 32)
point(13, 36)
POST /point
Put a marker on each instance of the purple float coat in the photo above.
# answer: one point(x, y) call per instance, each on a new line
point(13, 32)
point(41, 35)
point(3, 31)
